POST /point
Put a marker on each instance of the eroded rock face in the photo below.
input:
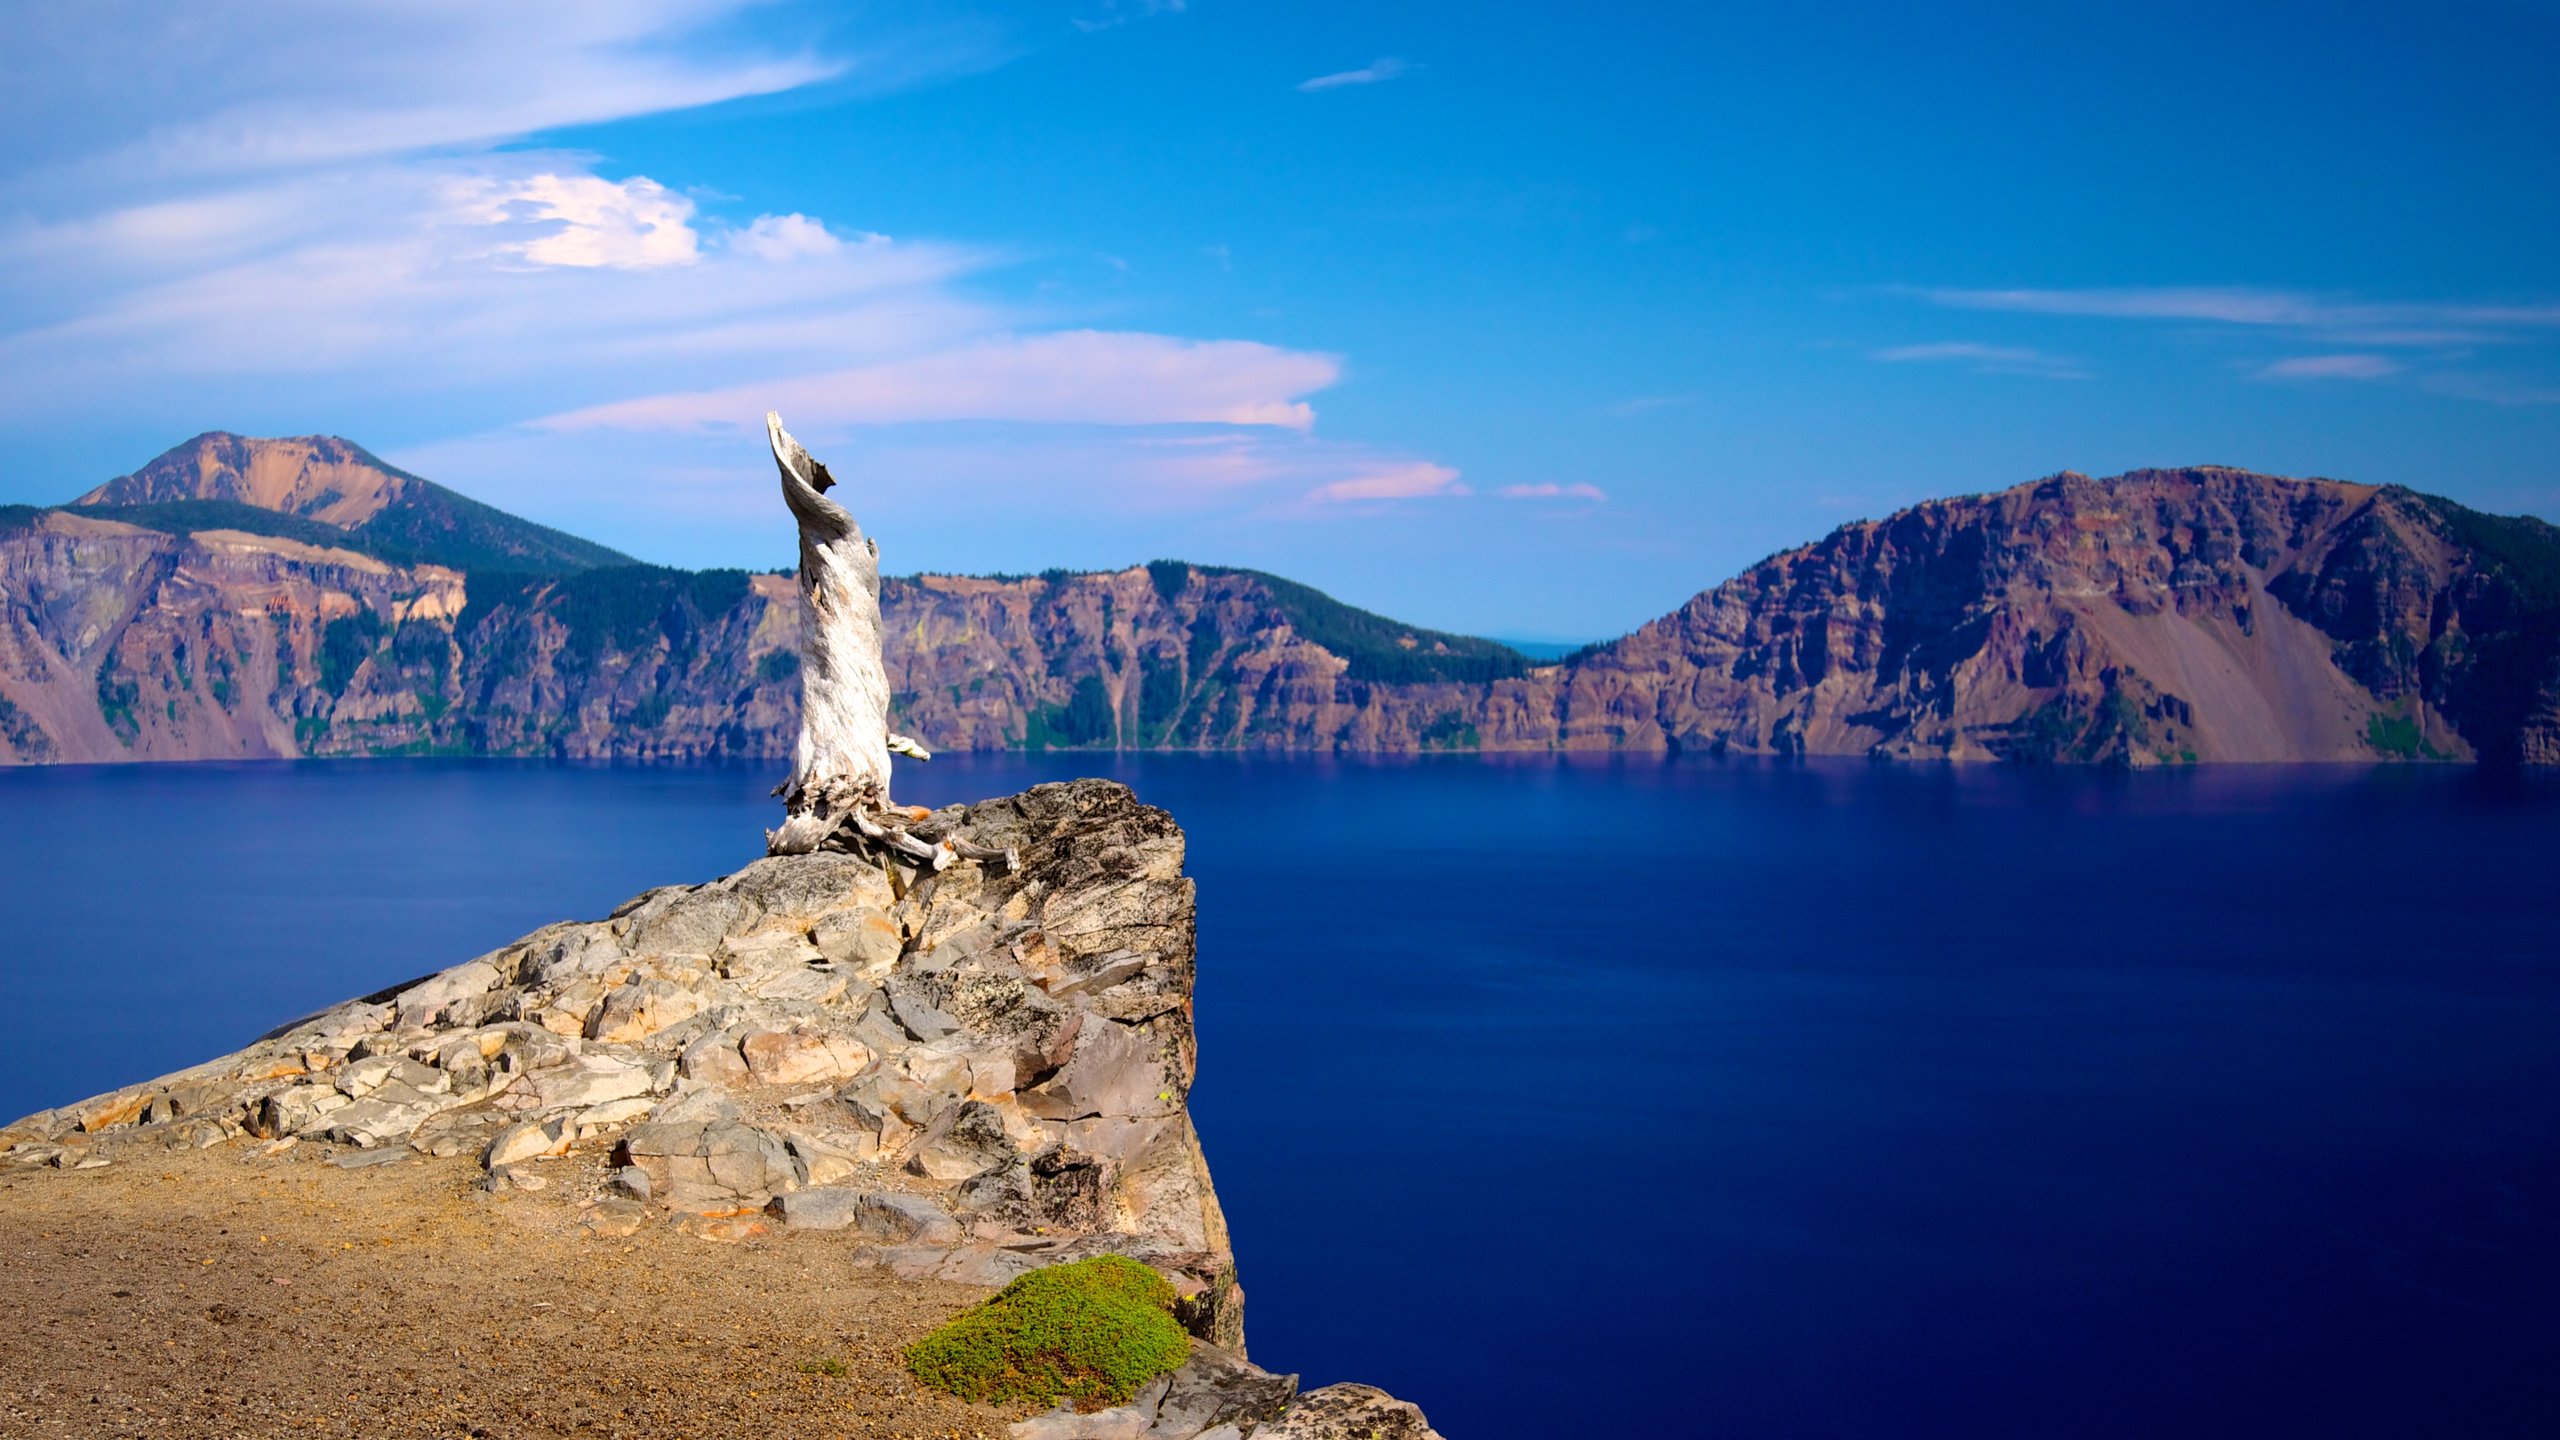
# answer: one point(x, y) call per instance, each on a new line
point(974, 1074)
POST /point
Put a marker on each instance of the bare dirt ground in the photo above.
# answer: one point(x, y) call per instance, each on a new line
point(226, 1293)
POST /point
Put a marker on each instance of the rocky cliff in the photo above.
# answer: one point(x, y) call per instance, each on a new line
point(2160, 616)
point(211, 607)
point(957, 1077)
point(2157, 617)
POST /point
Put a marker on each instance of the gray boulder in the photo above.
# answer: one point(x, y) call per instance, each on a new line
point(1216, 1388)
point(1349, 1412)
point(708, 1166)
point(889, 1218)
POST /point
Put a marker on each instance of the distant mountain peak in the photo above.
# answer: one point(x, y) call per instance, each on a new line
point(317, 477)
point(218, 478)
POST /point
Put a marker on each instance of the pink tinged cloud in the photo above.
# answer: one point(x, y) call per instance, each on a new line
point(1410, 480)
point(1553, 492)
point(2330, 367)
point(1075, 377)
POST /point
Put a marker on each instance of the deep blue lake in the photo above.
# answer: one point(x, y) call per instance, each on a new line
point(1632, 1097)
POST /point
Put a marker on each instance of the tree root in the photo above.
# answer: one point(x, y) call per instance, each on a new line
point(841, 816)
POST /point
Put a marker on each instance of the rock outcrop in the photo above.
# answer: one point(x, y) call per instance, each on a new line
point(962, 1076)
point(970, 1074)
point(2157, 617)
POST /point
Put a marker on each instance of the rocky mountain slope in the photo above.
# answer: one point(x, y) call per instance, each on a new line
point(959, 1076)
point(2158, 617)
point(220, 480)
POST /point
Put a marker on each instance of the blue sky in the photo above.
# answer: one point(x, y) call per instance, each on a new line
point(1503, 318)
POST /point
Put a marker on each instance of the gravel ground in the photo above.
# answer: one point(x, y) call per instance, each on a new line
point(228, 1293)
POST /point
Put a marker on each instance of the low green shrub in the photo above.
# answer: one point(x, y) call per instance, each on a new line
point(1091, 1333)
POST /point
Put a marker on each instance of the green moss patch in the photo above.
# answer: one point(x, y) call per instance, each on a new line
point(1091, 1333)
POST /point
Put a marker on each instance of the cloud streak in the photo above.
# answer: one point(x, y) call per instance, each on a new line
point(2378, 323)
point(1411, 480)
point(2330, 367)
point(1376, 72)
point(1112, 14)
point(1077, 377)
point(300, 83)
point(977, 494)
point(1984, 359)
point(1592, 493)
point(2434, 345)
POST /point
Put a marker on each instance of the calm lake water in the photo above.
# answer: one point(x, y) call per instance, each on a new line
point(1632, 1098)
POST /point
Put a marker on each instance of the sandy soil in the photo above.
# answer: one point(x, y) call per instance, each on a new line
point(227, 1293)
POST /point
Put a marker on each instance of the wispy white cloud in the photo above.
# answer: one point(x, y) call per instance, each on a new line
point(1377, 71)
point(2493, 389)
point(1984, 359)
point(2330, 367)
point(346, 211)
point(1410, 480)
point(589, 222)
point(953, 494)
point(782, 239)
point(2433, 344)
point(1111, 14)
point(1077, 377)
point(2377, 322)
point(513, 277)
point(312, 82)
point(1592, 493)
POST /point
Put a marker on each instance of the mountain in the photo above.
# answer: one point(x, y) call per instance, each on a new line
point(341, 495)
point(231, 630)
point(2159, 616)
point(2163, 616)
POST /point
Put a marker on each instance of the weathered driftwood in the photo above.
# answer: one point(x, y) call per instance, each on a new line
point(838, 792)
